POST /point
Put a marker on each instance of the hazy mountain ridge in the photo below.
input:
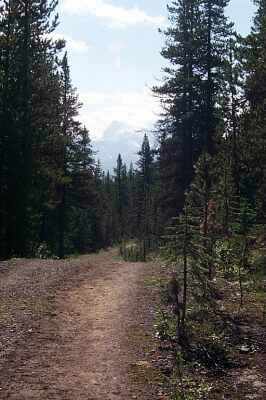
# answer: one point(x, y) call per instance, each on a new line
point(118, 138)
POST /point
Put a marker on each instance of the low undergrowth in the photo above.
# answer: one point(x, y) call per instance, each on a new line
point(221, 337)
point(133, 251)
point(136, 250)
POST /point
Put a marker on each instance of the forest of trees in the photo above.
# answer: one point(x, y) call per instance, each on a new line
point(208, 165)
point(195, 201)
point(51, 196)
point(211, 152)
point(54, 197)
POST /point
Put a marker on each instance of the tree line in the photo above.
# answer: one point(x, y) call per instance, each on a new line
point(55, 198)
point(50, 200)
point(211, 134)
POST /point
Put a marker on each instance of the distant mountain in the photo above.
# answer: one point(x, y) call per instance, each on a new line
point(118, 138)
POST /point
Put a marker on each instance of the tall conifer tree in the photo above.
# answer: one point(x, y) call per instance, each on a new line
point(195, 47)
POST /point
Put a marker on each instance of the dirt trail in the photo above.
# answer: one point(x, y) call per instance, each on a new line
point(95, 343)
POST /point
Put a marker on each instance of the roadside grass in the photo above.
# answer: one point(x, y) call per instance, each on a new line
point(153, 281)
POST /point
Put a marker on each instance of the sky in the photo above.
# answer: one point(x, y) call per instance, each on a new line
point(114, 54)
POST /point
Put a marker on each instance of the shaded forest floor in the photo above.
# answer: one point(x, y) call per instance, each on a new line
point(246, 379)
point(226, 355)
point(78, 329)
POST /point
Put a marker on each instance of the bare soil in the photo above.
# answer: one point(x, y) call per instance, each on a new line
point(78, 329)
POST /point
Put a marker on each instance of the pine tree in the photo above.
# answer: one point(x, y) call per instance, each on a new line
point(195, 47)
point(145, 176)
point(201, 198)
point(24, 27)
point(233, 103)
point(82, 195)
point(181, 248)
point(69, 127)
point(252, 138)
point(178, 128)
point(170, 180)
point(108, 209)
point(121, 198)
point(132, 211)
point(214, 37)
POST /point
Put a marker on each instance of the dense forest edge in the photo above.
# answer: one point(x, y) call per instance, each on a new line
point(197, 198)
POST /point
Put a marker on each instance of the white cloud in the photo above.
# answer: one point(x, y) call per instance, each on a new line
point(136, 109)
point(116, 15)
point(76, 45)
point(115, 49)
